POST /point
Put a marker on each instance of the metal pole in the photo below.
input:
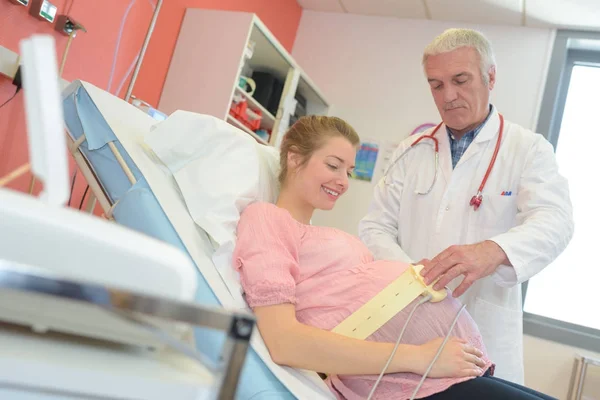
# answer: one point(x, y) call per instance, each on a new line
point(574, 374)
point(233, 355)
point(143, 51)
point(581, 380)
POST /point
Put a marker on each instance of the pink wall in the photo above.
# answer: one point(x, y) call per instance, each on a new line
point(282, 17)
point(90, 58)
point(91, 54)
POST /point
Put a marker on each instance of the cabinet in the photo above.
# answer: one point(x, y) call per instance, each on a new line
point(215, 51)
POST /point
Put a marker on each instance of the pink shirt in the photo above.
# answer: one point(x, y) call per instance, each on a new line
point(328, 274)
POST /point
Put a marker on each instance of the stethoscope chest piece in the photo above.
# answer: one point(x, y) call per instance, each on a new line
point(476, 201)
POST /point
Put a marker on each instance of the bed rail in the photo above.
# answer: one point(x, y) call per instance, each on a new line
point(238, 325)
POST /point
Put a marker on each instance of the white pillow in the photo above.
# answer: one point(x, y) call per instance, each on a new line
point(220, 170)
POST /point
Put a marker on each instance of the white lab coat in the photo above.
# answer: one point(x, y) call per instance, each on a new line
point(533, 225)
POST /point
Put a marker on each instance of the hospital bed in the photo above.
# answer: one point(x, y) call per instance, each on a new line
point(90, 308)
point(136, 189)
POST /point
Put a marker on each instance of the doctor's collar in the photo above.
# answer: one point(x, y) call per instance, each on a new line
point(477, 129)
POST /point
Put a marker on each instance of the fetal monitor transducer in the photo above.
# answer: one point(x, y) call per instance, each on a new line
point(385, 305)
point(394, 298)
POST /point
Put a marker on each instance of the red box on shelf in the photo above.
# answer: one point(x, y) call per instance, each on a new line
point(241, 112)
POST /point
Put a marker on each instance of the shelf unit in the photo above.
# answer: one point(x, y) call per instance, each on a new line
point(268, 118)
point(212, 53)
point(238, 124)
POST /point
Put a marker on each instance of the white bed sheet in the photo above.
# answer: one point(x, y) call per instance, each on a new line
point(130, 125)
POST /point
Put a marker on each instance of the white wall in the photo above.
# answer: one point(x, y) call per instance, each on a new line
point(370, 69)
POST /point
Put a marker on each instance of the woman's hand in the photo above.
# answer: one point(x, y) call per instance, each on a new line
point(457, 360)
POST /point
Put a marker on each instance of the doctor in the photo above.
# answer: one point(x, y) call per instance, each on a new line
point(492, 215)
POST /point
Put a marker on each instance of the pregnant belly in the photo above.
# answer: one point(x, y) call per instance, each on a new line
point(325, 301)
point(430, 321)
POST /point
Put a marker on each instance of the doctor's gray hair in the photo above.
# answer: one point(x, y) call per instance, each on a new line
point(453, 39)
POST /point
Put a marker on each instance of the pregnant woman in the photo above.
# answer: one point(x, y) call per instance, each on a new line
point(301, 281)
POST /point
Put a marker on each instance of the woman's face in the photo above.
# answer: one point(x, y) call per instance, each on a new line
point(324, 178)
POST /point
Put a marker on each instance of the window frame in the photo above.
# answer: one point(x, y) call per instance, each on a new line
point(569, 49)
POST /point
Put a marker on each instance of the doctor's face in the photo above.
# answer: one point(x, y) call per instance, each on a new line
point(324, 177)
point(459, 91)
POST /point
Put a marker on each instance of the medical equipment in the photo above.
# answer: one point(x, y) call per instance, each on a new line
point(137, 62)
point(437, 355)
point(21, 2)
point(67, 25)
point(477, 199)
point(386, 304)
point(80, 247)
point(43, 10)
point(141, 312)
point(142, 53)
point(414, 394)
point(72, 278)
point(47, 147)
point(422, 128)
point(387, 364)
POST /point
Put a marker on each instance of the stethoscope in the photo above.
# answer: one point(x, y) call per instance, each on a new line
point(477, 199)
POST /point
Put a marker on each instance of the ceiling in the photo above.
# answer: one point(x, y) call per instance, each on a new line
point(565, 14)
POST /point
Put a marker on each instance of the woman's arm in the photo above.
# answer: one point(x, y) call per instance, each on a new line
point(269, 268)
point(297, 345)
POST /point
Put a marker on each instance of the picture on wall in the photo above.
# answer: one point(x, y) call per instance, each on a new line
point(366, 158)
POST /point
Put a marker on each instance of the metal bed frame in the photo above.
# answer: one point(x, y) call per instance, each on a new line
point(98, 194)
point(130, 306)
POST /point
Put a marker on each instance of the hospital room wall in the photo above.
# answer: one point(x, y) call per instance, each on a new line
point(282, 17)
point(90, 58)
point(91, 54)
point(370, 69)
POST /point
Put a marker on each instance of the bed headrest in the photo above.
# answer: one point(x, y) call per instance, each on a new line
point(218, 168)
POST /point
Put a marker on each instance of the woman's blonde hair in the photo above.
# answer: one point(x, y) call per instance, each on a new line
point(308, 135)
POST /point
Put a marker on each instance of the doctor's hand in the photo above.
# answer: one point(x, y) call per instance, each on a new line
point(474, 261)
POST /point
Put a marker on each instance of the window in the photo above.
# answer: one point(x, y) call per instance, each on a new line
point(572, 300)
point(560, 302)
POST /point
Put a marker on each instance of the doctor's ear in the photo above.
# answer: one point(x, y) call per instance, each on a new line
point(491, 77)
